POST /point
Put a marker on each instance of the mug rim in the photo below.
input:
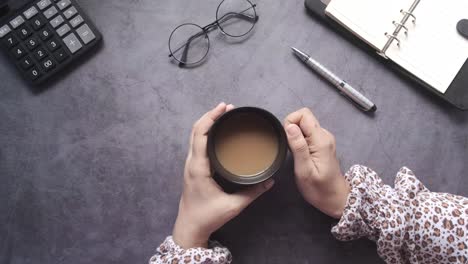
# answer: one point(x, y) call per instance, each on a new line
point(261, 176)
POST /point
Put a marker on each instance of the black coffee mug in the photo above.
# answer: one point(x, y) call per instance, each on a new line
point(231, 181)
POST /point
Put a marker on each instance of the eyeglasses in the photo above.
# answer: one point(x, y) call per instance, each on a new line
point(189, 43)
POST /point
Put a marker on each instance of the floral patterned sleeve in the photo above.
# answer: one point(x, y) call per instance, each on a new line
point(171, 253)
point(409, 223)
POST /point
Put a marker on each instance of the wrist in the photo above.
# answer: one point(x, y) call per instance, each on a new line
point(330, 196)
point(343, 190)
point(187, 235)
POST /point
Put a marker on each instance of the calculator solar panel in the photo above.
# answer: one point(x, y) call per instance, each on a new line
point(45, 36)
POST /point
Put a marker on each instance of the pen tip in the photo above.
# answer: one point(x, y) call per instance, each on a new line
point(300, 54)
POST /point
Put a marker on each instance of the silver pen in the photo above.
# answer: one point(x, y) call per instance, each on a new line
point(352, 94)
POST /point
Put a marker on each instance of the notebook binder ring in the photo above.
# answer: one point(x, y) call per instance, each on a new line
point(406, 13)
point(393, 37)
point(401, 25)
point(398, 26)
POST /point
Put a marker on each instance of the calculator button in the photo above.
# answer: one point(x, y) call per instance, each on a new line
point(50, 12)
point(30, 12)
point(43, 4)
point(76, 21)
point(18, 52)
point(72, 43)
point(57, 21)
point(47, 64)
point(32, 43)
point(70, 12)
point(10, 41)
point(40, 54)
point(34, 73)
point(18, 21)
point(4, 30)
point(45, 34)
point(63, 4)
point(24, 32)
point(63, 30)
point(61, 55)
point(38, 22)
point(85, 34)
point(26, 63)
point(52, 44)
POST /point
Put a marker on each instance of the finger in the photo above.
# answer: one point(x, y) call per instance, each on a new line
point(299, 147)
point(307, 122)
point(201, 128)
point(245, 197)
point(229, 107)
point(327, 133)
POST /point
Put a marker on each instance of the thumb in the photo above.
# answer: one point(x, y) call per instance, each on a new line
point(248, 195)
point(298, 145)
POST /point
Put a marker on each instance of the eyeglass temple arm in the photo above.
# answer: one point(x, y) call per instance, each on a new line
point(231, 15)
point(227, 17)
point(187, 46)
point(188, 41)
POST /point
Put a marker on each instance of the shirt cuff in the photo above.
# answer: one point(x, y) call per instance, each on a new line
point(170, 252)
point(362, 211)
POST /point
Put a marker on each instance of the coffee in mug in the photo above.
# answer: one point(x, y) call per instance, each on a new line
point(247, 145)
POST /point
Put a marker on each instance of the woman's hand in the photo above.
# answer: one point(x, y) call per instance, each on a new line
point(318, 173)
point(204, 207)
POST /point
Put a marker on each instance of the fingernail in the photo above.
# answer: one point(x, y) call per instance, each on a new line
point(269, 183)
point(293, 130)
point(221, 104)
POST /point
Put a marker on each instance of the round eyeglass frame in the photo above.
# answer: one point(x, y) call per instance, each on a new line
point(252, 6)
point(183, 63)
point(206, 29)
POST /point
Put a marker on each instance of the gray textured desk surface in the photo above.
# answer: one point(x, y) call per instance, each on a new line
point(91, 168)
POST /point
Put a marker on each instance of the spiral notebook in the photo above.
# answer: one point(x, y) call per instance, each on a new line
point(417, 35)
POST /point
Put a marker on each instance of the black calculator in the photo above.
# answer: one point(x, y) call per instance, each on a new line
point(44, 36)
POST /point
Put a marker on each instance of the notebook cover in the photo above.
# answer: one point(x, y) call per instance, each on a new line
point(456, 94)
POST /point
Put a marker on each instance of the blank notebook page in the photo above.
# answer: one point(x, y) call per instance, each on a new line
point(368, 19)
point(434, 51)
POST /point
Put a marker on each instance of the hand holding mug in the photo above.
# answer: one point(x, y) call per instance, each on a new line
point(204, 207)
point(317, 171)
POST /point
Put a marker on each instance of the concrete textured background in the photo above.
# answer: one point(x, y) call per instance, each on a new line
point(91, 168)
